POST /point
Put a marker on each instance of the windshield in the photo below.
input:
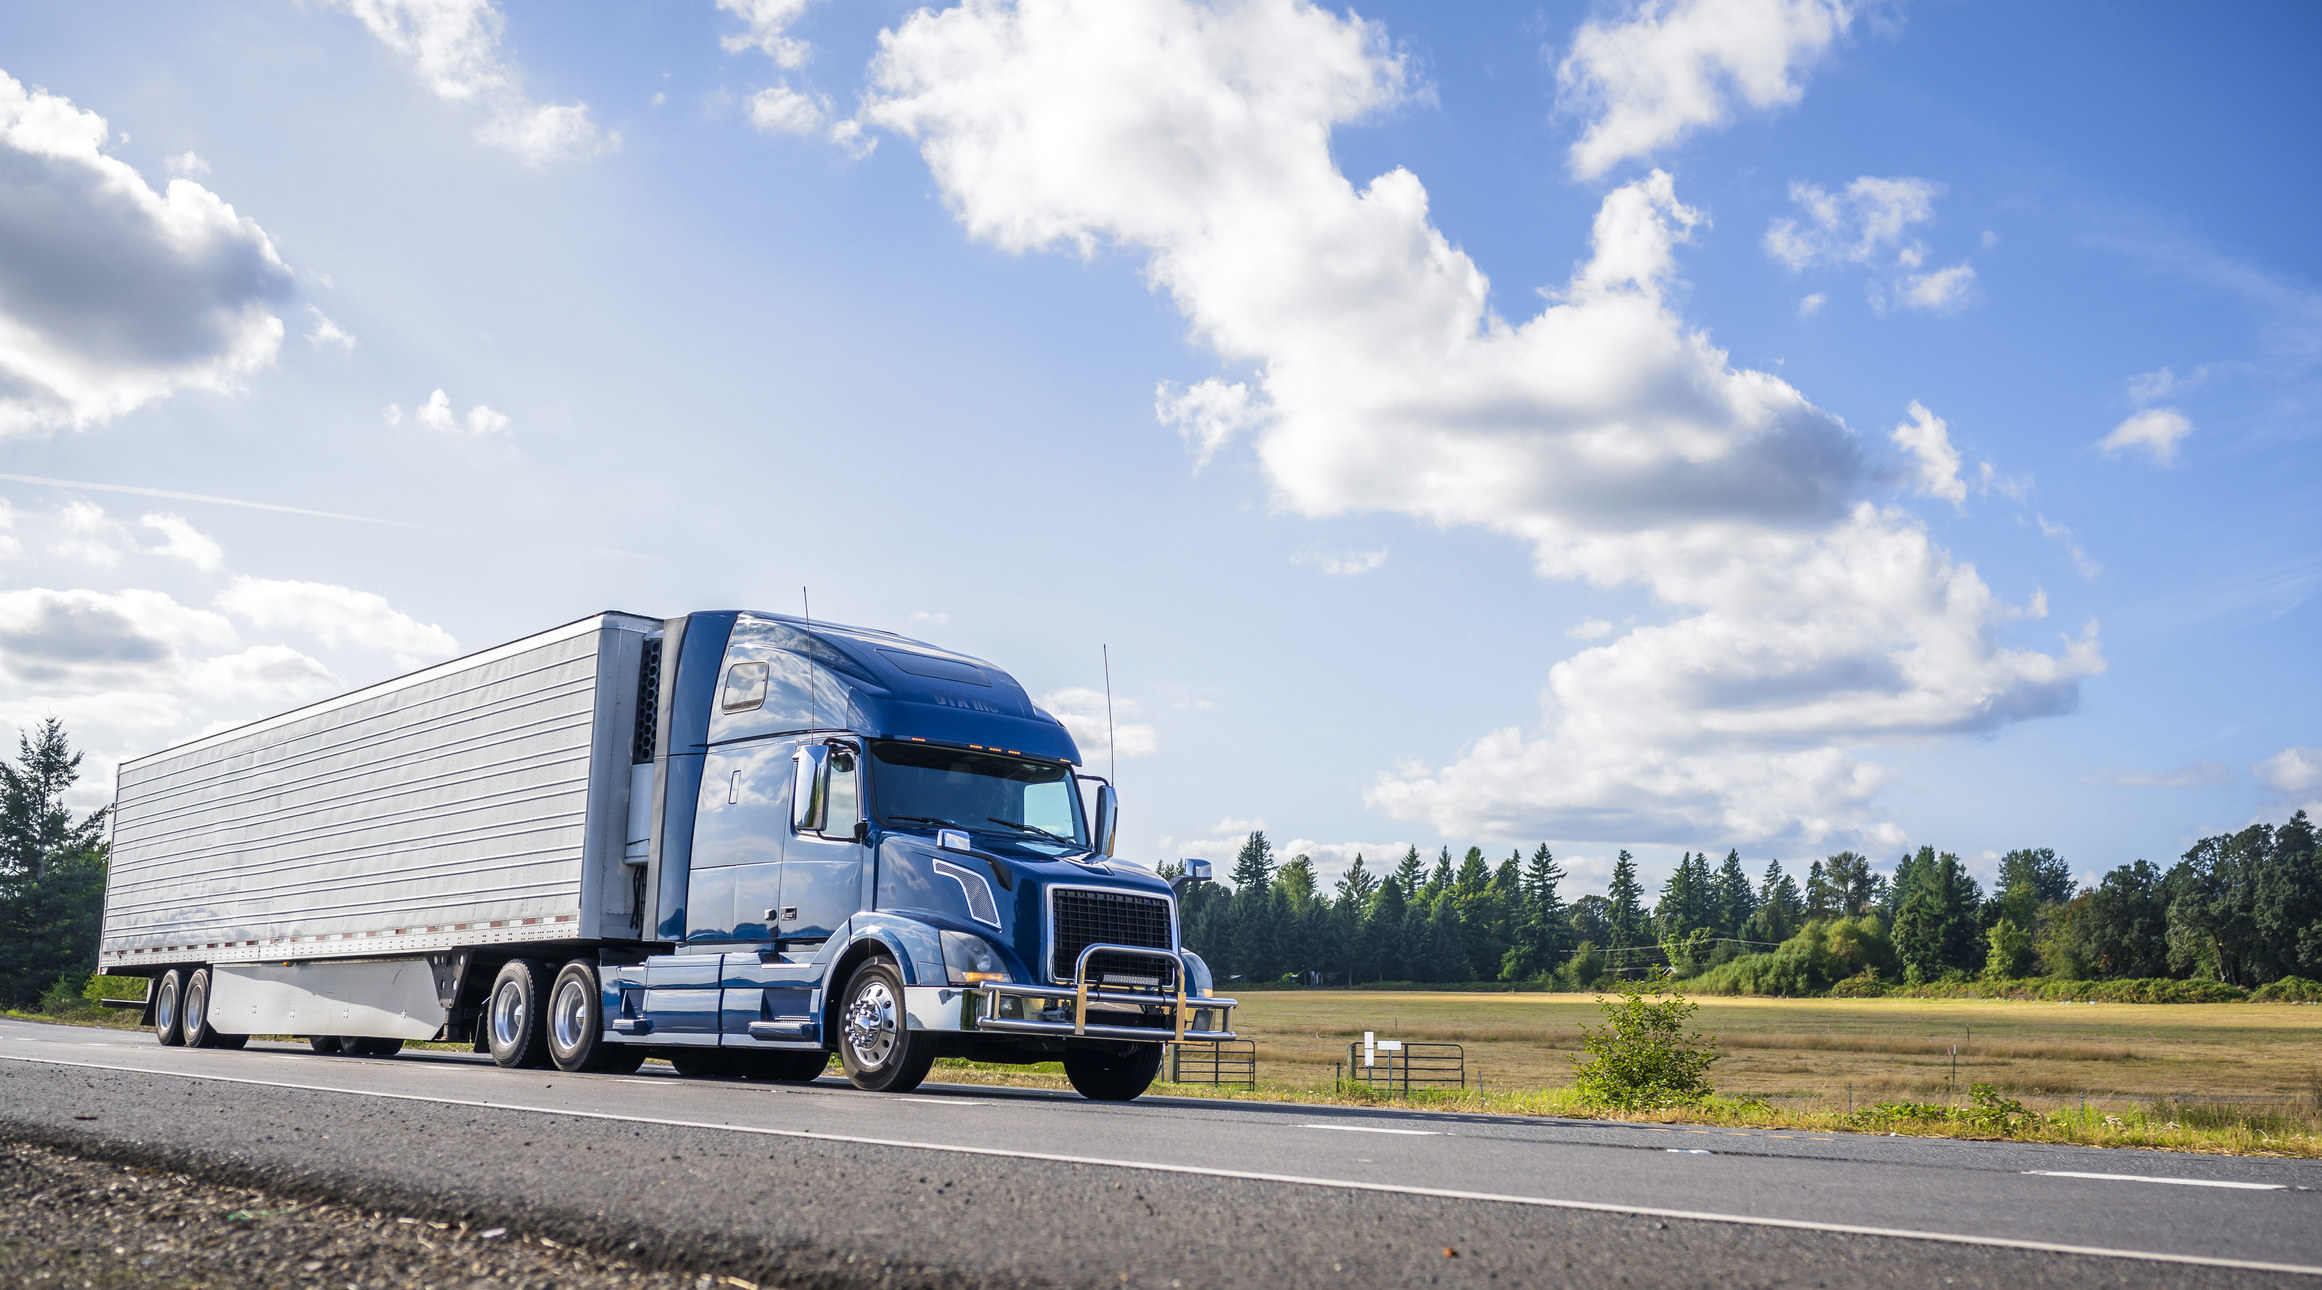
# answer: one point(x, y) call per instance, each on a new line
point(923, 786)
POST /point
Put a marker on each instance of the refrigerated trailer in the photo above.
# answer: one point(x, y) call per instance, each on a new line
point(738, 841)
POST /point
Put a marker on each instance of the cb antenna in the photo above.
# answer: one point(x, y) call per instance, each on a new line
point(1112, 761)
point(813, 691)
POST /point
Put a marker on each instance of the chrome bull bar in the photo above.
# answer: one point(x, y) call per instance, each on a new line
point(1080, 994)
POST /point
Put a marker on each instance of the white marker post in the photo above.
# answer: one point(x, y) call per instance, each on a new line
point(1368, 1048)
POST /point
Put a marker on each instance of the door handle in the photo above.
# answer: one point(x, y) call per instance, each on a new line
point(734, 789)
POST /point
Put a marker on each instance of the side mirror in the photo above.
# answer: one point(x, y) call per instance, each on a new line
point(1195, 871)
point(1107, 826)
point(810, 787)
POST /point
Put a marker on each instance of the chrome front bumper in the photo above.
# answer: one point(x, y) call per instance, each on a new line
point(1037, 1006)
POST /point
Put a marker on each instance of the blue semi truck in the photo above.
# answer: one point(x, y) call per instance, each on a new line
point(738, 841)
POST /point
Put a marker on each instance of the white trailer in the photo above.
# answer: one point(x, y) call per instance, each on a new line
point(330, 870)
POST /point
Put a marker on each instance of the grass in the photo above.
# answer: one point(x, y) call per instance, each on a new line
point(2242, 1078)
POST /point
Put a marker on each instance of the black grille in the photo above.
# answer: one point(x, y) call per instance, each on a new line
point(648, 702)
point(1085, 918)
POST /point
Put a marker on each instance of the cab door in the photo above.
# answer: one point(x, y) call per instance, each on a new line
point(822, 866)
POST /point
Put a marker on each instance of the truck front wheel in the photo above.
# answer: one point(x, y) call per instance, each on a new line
point(1105, 1077)
point(166, 992)
point(877, 1046)
point(515, 1015)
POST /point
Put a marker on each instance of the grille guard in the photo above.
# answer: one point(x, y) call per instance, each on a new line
point(1181, 1005)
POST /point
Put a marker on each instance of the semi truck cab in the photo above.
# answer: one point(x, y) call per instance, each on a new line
point(860, 843)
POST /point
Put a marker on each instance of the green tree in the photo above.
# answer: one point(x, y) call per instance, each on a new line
point(1936, 928)
point(1254, 864)
point(1644, 1057)
point(1590, 918)
point(2028, 880)
point(2010, 952)
point(1543, 936)
point(1408, 874)
point(1686, 899)
point(2286, 909)
point(1387, 934)
point(1823, 898)
point(1296, 882)
point(52, 868)
point(1781, 910)
point(1735, 902)
point(1625, 904)
point(1446, 958)
point(1439, 879)
point(1851, 882)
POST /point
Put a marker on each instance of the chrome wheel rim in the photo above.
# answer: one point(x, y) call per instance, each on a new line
point(871, 1024)
point(196, 1003)
point(165, 1008)
point(508, 1015)
point(568, 1016)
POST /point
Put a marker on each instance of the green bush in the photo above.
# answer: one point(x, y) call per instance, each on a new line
point(2290, 989)
point(113, 987)
point(1643, 1057)
point(64, 996)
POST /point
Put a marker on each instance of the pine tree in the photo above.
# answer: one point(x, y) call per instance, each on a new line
point(52, 868)
point(1439, 878)
point(1625, 901)
point(1549, 920)
point(1781, 911)
point(1296, 882)
point(1822, 900)
point(1409, 873)
point(1446, 941)
point(1850, 882)
point(1734, 900)
point(1385, 930)
point(1356, 886)
point(1254, 865)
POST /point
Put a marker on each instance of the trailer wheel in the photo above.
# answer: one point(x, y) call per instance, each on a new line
point(229, 1041)
point(515, 1014)
point(327, 1045)
point(371, 1047)
point(193, 1009)
point(879, 1049)
point(165, 995)
point(1105, 1077)
point(576, 1024)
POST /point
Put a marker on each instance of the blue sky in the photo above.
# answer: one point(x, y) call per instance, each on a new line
point(1783, 425)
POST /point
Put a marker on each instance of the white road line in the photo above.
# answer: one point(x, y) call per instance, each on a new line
point(1250, 1175)
point(1364, 1128)
point(2175, 1182)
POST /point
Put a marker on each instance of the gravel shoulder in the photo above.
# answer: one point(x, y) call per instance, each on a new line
point(72, 1221)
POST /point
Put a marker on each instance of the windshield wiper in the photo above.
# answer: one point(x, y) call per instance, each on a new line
point(923, 819)
point(1033, 828)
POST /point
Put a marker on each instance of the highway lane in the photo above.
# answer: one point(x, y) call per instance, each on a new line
point(1325, 1184)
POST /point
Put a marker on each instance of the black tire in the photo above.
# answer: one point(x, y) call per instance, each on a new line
point(785, 1067)
point(327, 1045)
point(702, 1063)
point(1107, 1077)
point(371, 1047)
point(229, 1041)
point(193, 1008)
point(166, 993)
point(878, 1047)
point(576, 1021)
point(516, 1015)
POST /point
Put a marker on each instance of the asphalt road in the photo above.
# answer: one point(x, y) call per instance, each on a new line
point(969, 1186)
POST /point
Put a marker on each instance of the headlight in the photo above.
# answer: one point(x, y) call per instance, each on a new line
point(971, 959)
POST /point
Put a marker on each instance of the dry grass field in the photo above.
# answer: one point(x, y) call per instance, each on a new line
point(1815, 1050)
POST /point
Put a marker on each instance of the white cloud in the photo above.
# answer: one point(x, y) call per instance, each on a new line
point(1208, 415)
point(454, 45)
point(1605, 432)
point(112, 295)
point(329, 333)
point(2293, 772)
point(2088, 567)
point(1339, 564)
point(768, 23)
point(1231, 824)
point(1660, 69)
point(393, 415)
point(1870, 222)
point(2200, 774)
point(1942, 291)
point(1811, 304)
point(182, 541)
point(82, 531)
point(335, 616)
point(1928, 439)
point(778, 109)
point(923, 616)
point(274, 673)
point(187, 165)
point(79, 640)
point(1590, 629)
point(1082, 711)
point(2156, 431)
point(436, 414)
